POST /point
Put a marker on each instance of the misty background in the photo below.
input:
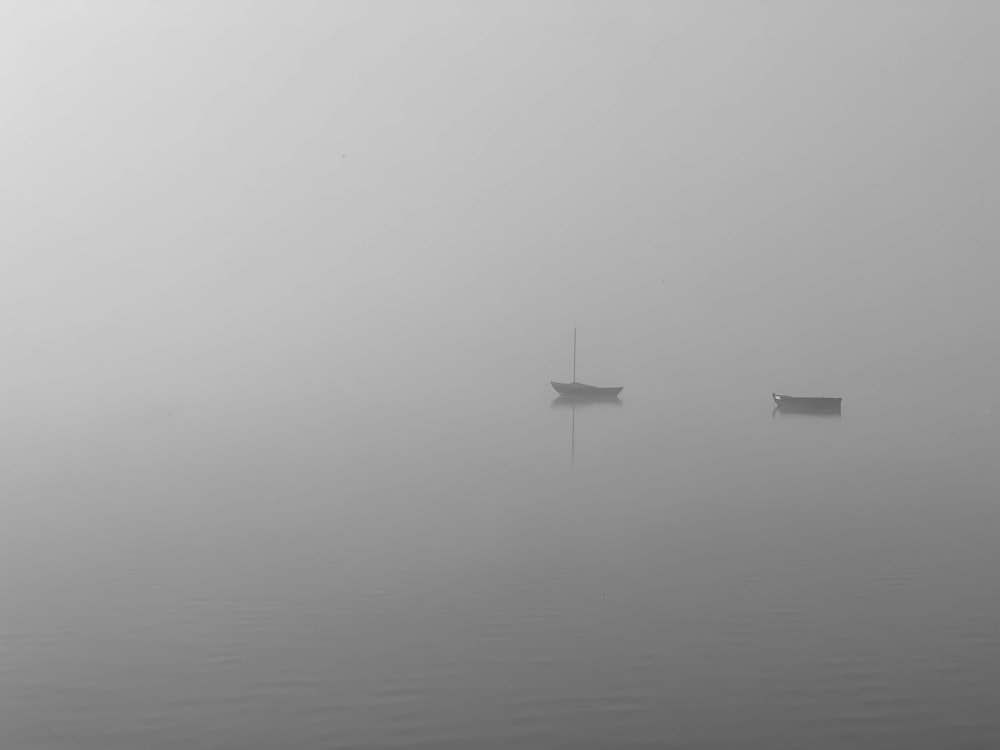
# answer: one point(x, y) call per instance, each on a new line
point(256, 199)
point(282, 286)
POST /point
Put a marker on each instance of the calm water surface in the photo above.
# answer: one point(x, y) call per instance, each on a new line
point(283, 285)
point(458, 571)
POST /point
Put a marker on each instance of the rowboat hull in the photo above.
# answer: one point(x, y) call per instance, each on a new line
point(585, 391)
point(807, 404)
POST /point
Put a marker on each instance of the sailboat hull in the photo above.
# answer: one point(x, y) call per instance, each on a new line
point(588, 391)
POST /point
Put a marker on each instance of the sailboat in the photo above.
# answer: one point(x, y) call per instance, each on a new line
point(582, 390)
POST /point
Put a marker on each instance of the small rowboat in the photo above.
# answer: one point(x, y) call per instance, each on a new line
point(582, 390)
point(807, 404)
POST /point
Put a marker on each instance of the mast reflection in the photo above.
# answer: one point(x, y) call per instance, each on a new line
point(572, 402)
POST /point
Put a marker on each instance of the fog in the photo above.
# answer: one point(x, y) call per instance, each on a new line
point(267, 268)
point(252, 199)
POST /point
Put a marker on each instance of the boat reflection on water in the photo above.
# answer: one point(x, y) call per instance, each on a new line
point(799, 414)
point(572, 402)
point(568, 401)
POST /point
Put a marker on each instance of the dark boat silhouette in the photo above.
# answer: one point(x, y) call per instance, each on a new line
point(583, 390)
point(807, 404)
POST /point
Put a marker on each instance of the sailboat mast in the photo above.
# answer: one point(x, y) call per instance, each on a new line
point(574, 354)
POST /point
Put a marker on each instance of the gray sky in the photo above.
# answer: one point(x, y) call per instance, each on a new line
point(204, 197)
